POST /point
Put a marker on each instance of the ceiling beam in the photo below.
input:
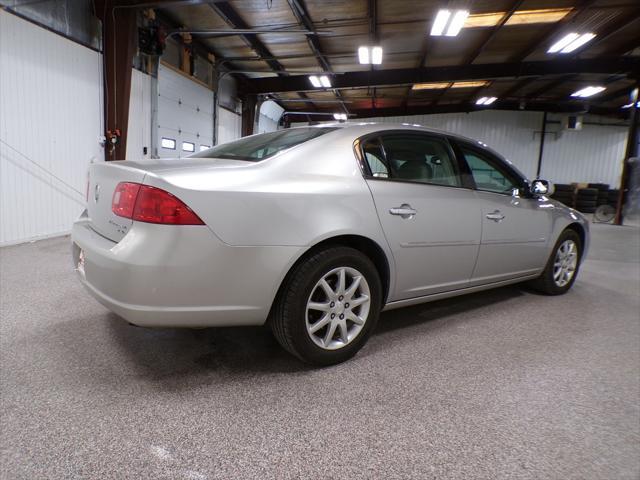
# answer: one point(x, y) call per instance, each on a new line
point(234, 20)
point(299, 10)
point(407, 76)
point(559, 107)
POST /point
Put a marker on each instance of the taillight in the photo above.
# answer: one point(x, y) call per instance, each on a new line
point(144, 203)
point(124, 199)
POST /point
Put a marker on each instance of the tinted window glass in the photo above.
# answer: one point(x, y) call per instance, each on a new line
point(487, 173)
point(374, 156)
point(420, 158)
point(259, 147)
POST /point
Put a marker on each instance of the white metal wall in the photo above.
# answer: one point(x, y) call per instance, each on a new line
point(593, 154)
point(229, 125)
point(185, 112)
point(50, 120)
point(139, 130)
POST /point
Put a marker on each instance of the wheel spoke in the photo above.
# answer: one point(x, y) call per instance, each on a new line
point(320, 323)
point(355, 318)
point(353, 287)
point(342, 279)
point(331, 331)
point(322, 307)
point(344, 334)
point(327, 289)
point(356, 302)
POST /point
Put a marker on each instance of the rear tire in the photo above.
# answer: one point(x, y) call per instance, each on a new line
point(560, 272)
point(312, 317)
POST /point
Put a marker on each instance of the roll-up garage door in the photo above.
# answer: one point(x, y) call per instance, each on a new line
point(185, 115)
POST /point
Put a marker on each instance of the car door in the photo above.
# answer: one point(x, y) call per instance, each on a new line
point(515, 225)
point(430, 218)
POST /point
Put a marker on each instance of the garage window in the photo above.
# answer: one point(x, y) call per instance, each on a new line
point(204, 147)
point(169, 143)
point(188, 147)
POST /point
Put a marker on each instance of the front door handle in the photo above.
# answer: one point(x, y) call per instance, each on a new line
point(405, 211)
point(496, 216)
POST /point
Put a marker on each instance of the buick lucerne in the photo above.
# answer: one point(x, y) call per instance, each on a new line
point(315, 230)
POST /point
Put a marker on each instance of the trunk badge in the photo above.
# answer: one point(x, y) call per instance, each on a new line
point(96, 193)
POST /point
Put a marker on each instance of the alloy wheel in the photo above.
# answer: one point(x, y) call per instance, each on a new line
point(338, 308)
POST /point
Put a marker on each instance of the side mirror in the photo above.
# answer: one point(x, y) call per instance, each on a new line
point(542, 187)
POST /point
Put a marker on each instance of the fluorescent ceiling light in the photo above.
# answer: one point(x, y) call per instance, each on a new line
point(629, 105)
point(570, 42)
point(440, 22)
point(582, 39)
point(587, 92)
point(370, 55)
point(457, 23)
point(340, 116)
point(563, 42)
point(486, 100)
point(376, 55)
point(321, 81)
point(363, 55)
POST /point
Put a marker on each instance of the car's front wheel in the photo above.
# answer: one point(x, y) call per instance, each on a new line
point(328, 306)
point(563, 265)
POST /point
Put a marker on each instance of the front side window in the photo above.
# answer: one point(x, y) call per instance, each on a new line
point(265, 145)
point(420, 158)
point(487, 173)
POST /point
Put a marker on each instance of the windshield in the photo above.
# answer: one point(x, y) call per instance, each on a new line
point(259, 147)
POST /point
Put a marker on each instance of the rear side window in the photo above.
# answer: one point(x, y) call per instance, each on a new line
point(265, 145)
point(420, 158)
point(374, 156)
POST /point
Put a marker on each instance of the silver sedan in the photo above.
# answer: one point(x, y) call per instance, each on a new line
point(315, 230)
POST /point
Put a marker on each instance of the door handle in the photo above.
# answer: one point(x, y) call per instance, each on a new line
point(496, 216)
point(404, 210)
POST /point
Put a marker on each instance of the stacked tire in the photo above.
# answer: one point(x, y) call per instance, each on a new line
point(612, 197)
point(563, 193)
point(603, 193)
point(587, 200)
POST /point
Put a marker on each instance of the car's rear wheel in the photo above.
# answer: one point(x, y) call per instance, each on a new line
point(562, 267)
point(328, 306)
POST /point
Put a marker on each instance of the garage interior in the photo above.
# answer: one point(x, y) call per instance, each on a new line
point(499, 384)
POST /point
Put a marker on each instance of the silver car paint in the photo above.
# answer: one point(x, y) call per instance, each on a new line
point(262, 217)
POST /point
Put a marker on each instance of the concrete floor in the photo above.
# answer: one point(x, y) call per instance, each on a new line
point(501, 384)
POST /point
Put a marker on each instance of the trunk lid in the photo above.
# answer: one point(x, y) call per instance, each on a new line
point(103, 179)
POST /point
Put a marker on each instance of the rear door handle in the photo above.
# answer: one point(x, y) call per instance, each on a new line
point(496, 216)
point(405, 211)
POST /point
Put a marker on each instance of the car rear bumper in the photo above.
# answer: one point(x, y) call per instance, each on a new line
point(179, 276)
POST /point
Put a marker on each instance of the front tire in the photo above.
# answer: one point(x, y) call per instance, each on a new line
point(328, 306)
point(562, 267)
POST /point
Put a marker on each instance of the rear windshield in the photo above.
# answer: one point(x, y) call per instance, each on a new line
point(259, 147)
